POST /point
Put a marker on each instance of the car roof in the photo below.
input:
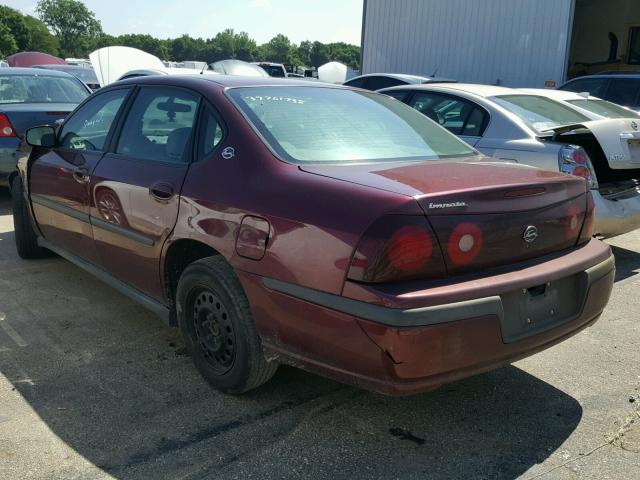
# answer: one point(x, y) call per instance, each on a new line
point(477, 89)
point(404, 77)
point(33, 71)
point(225, 81)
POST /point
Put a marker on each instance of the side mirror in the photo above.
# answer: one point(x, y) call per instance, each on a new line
point(44, 136)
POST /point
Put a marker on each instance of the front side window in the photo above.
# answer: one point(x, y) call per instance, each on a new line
point(333, 125)
point(41, 89)
point(458, 116)
point(159, 125)
point(87, 128)
point(540, 113)
point(604, 108)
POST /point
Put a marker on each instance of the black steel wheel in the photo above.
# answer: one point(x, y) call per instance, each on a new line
point(212, 329)
point(218, 328)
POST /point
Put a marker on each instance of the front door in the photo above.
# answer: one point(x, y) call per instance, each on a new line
point(135, 190)
point(60, 176)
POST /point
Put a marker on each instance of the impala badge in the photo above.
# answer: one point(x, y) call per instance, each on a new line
point(634, 125)
point(530, 234)
point(228, 153)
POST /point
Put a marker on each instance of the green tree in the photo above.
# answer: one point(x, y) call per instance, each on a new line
point(277, 49)
point(73, 23)
point(304, 52)
point(8, 44)
point(319, 55)
point(144, 42)
point(41, 38)
point(245, 47)
point(13, 20)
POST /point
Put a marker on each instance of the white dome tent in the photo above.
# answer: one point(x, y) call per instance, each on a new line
point(335, 72)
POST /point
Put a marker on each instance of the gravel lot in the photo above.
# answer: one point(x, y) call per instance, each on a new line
point(93, 386)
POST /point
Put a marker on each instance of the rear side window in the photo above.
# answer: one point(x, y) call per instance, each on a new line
point(634, 46)
point(594, 86)
point(459, 116)
point(88, 127)
point(159, 125)
point(623, 91)
point(211, 133)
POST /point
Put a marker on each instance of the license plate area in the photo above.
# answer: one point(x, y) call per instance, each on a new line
point(533, 310)
point(633, 147)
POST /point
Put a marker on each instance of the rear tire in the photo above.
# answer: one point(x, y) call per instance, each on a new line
point(218, 328)
point(25, 236)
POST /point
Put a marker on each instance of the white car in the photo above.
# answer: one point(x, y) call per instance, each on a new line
point(593, 107)
point(518, 126)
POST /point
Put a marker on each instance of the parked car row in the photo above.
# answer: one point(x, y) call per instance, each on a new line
point(331, 228)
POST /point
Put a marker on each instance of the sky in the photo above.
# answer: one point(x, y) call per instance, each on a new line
point(323, 20)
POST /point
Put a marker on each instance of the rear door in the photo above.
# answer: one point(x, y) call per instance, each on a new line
point(135, 189)
point(59, 178)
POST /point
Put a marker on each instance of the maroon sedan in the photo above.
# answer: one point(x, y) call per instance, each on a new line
point(334, 229)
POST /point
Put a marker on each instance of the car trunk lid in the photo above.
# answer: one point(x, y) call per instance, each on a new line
point(484, 214)
point(619, 139)
point(26, 115)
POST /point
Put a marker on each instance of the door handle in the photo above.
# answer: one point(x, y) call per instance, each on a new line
point(162, 191)
point(81, 175)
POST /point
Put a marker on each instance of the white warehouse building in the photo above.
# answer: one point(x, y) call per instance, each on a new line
point(516, 43)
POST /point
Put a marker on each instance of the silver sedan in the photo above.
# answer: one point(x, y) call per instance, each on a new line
point(514, 125)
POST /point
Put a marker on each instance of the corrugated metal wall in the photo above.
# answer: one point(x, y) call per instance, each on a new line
point(511, 42)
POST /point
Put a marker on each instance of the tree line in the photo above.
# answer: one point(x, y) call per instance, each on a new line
point(67, 28)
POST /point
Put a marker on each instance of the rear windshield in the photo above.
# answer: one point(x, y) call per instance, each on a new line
point(604, 108)
point(540, 113)
point(41, 89)
point(324, 125)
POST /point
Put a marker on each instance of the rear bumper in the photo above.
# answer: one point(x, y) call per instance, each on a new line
point(616, 217)
point(399, 351)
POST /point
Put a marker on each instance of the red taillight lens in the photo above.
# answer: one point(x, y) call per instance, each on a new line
point(396, 248)
point(589, 220)
point(465, 243)
point(409, 249)
point(6, 129)
point(575, 161)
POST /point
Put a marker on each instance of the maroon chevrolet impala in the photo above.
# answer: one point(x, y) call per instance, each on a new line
point(338, 230)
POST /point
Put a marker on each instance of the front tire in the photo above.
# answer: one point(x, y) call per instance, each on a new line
point(218, 328)
point(25, 236)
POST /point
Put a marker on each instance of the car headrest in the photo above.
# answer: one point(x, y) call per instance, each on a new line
point(176, 143)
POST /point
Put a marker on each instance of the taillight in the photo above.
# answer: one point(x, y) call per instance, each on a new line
point(589, 220)
point(465, 243)
point(395, 248)
point(575, 161)
point(6, 129)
